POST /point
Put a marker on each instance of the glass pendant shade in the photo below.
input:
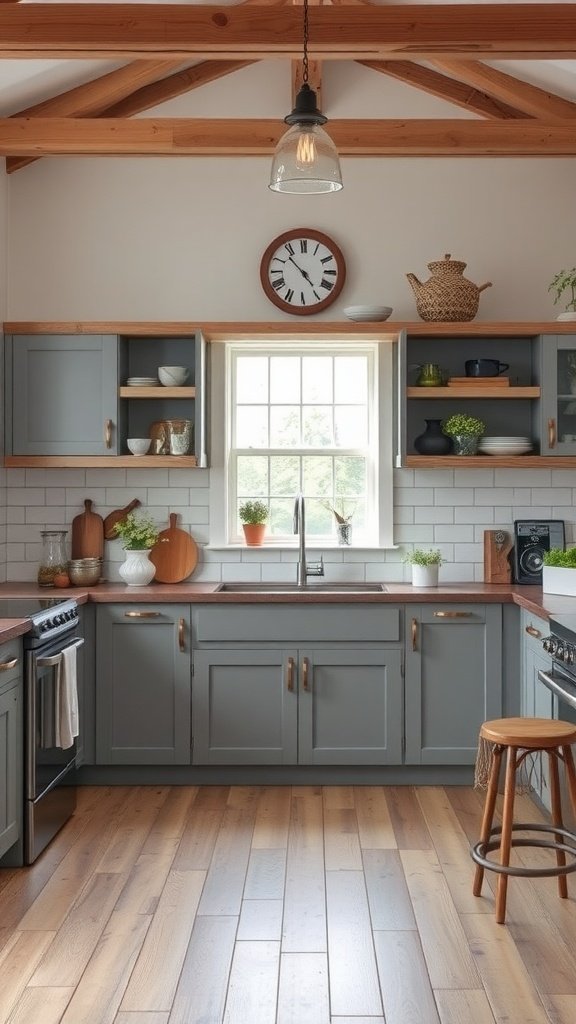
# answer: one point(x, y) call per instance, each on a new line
point(305, 161)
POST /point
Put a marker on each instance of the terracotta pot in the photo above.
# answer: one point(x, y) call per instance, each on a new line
point(254, 534)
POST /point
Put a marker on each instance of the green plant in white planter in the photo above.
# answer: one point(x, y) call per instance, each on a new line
point(559, 571)
point(565, 281)
point(465, 432)
point(425, 566)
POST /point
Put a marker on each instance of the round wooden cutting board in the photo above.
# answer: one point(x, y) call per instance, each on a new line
point(175, 554)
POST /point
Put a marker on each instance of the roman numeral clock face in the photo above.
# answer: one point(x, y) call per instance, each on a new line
point(302, 271)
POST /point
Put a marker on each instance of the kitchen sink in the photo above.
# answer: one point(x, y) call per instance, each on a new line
point(293, 588)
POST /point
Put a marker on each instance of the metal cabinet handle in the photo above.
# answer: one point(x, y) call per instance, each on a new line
point(453, 615)
point(181, 643)
point(141, 615)
point(290, 675)
point(414, 634)
point(305, 667)
point(108, 433)
point(533, 631)
point(5, 665)
point(551, 433)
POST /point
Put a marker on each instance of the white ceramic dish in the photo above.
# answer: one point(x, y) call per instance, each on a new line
point(139, 445)
point(172, 376)
point(367, 313)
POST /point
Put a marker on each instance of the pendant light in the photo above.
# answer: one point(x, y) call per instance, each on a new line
point(305, 160)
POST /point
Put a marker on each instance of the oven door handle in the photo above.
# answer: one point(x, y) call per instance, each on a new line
point(56, 658)
point(552, 683)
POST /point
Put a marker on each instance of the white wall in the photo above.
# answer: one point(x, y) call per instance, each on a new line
point(181, 239)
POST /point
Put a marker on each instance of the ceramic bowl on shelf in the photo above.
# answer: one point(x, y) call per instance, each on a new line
point(367, 313)
point(138, 445)
point(172, 376)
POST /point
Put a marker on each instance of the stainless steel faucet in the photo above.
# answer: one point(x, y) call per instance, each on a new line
point(305, 568)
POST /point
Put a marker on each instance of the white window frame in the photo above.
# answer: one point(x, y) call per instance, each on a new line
point(222, 516)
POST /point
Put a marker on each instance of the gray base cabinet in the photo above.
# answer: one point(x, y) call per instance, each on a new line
point(453, 680)
point(11, 749)
point(335, 706)
point(537, 700)
point(143, 684)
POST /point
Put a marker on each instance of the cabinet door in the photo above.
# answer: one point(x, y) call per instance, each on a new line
point(244, 707)
point(143, 684)
point(558, 404)
point(64, 390)
point(453, 680)
point(350, 706)
point(11, 793)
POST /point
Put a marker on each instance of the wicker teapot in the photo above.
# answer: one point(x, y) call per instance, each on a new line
point(447, 295)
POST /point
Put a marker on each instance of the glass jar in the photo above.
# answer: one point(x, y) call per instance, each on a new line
point(54, 558)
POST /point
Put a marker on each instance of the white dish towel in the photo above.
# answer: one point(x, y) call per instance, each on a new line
point(66, 699)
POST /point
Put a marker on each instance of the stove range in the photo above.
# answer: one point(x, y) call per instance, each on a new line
point(49, 617)
point(561, 680)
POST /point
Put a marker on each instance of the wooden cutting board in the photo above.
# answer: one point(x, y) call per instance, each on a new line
point(497, 547)
point(118, 516)
point(87, 533)
point(175, 555)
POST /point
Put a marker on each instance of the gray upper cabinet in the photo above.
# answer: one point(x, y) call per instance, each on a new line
point(11, 745)
point(558, 403)
point(143, 684)
point(62, 394)
point(453, 680)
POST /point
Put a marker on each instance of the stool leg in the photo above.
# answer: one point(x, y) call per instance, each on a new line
point(571, 774)
point(507, 820)
point(488, 814)
point(557, 818)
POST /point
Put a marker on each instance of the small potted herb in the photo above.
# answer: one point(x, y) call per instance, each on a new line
point(139, 533)
point(425, 566)
point(565, 281)
point(465, 432)
point(559, 571)
point(253, 516)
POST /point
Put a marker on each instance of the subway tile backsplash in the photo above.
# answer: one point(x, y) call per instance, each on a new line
point(444, 508)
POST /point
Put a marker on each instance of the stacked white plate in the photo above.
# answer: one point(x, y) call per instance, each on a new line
point(505, 445)
point(142, 382)
point(367, 313)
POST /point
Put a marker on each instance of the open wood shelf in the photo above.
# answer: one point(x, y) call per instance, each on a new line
point(102, 461)
point(495, 461)
point(473, 392)
point(157, 392)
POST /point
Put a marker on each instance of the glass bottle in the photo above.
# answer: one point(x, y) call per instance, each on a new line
point(54, 558)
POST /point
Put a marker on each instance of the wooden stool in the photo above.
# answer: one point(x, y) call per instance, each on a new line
point(521, 737)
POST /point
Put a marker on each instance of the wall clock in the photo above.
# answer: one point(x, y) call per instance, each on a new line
point(302, 271)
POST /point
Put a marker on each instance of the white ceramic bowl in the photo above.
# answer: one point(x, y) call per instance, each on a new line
point(367, 313)
point(172, 376)
point(138, 445)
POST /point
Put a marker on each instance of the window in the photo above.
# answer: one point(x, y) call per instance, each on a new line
point(303, 416)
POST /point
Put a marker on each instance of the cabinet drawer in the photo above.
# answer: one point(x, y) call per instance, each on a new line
point(9, 652)
point(288, 623)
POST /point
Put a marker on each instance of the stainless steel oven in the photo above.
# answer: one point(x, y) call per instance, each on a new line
point(561, 680)
point(49, 767)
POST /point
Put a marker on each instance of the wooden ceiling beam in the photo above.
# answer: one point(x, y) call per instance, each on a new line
point(248, 31)
point(534, 101)
point(462, 95)
point(242, 137)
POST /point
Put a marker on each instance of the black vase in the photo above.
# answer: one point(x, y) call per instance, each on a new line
point(433, 441)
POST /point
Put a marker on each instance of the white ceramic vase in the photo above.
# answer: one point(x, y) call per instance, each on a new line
point(137, 570)
point(424, 575)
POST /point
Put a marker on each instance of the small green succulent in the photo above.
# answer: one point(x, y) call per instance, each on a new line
point(460, 423)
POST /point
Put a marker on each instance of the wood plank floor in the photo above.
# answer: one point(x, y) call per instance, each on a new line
point(279, 905)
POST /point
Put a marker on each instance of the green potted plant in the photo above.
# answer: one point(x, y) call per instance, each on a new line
point(139, 533)
point(343, 522)
point(253, 516)
point(425, 566)
point(559, 571)
point(465, 432)
point(565, 281)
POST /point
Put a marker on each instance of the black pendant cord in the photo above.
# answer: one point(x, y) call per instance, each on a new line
point(305, 45)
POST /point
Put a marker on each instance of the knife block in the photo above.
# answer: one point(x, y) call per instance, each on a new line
point(497, 568)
